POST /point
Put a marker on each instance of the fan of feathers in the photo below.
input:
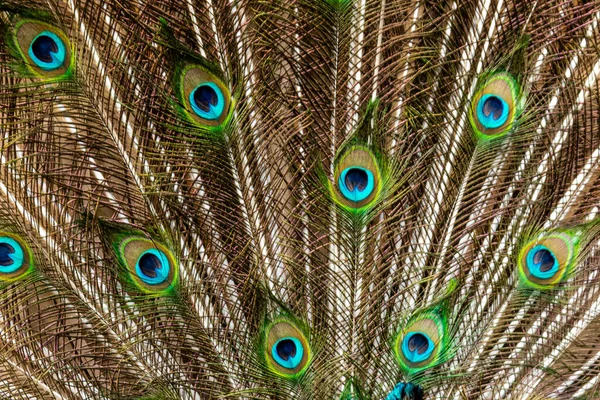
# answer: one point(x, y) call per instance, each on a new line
point(299, 199)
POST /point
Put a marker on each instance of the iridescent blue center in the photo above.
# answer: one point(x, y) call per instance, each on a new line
point(11, 255)
point(417, 347)
point(5, 254)
point(207, 101)
point(541, 262)
point(356, 183)
point(288, 352)
point(47, 51)
point(492, 111)
point(153, 267)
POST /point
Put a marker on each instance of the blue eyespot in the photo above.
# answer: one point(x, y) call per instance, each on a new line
point(356, 183)
point(288, 352)
point(47, 51)
point(152, 267)
point(541, 262)
point(207, 101)
point(492, 111)
point(11, 255)
point(417, 347)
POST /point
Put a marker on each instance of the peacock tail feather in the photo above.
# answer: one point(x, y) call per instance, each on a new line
point(303, 199)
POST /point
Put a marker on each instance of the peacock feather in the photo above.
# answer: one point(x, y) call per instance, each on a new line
point(302, 199)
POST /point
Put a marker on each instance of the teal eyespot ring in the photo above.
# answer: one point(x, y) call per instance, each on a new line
point(413, 355)
point(17, 255)
point(535, 267)
point(162, 273)
point(294, 360)
point(215, 110)
point(355, 194)
point(488, 121)
point(58, 56)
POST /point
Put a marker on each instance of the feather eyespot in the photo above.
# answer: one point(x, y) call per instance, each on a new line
point(357, 178)
point(44, 47)
point(206, 98)
point(287, 351)
point(153, 267)
point(492, 111)
point(422, 343)
point(417, 346)
point(207, 101)
point(150, 265)
point(495, 106)
point(47, 51)
point(356, 183)
point(545, 261)
point(15, 258)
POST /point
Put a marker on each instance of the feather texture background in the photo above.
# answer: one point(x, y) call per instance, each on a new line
point(315, 170)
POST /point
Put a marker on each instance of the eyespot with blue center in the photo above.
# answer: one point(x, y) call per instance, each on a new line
point(545, 261)
point(47, 51)
point(286, 349)
point(356, 183)
point(417, 347)
point(15, 258)
point(357, 179)
point(207, 101)
point(12, 255)
point(423, 342)
point(492, 111)
point(288, 352)
point(147, 265)
point(153, 267)
point(541, 262)
point(44, 48)
point(495, 106)
point(205, 97)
